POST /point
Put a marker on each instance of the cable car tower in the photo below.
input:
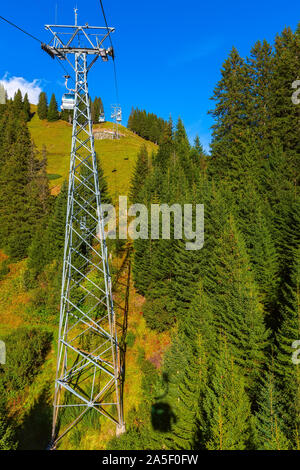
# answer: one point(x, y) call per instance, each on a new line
point(88, 374)
point(116, 115)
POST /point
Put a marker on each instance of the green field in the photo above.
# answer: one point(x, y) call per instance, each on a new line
point(119, 155)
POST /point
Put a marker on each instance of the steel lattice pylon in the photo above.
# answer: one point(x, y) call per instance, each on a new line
point(88, 371)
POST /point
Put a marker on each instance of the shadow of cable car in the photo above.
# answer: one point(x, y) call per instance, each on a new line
point(162, 417)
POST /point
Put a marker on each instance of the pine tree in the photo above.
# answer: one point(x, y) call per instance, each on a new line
point(268, 421)
point(285, 115)
point(288, 373)
point(15, 232)
point(26, 107)
point(18, 102)
point(146, 125)
point(139, 174)
point(55, 235)
point(38, 187)
point(166, 148)
point(42, 108)
point(231, 113)
point(226, 404)
point(37, 255)
point(189, 266)
point(96, 109)
point(182, 149)
point(181, 141)
point(186, 367)
point(53, 114)
point(103, 186)
point(238, 311)
point(253, 216)
point(261, 68)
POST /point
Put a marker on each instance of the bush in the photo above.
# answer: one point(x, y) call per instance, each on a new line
point(4, 269)
point(26, 350)
point(157, 316)
point(7, 434)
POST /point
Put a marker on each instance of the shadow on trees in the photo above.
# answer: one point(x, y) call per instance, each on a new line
point(162, 416)
point(35, 431)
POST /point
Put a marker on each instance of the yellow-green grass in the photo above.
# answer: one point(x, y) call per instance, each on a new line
point(119, 155)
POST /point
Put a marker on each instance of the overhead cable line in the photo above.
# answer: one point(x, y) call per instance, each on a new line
point(106, 24)
point(113, 57)
point(33, 37)
point(23, 31)
point(64, 68)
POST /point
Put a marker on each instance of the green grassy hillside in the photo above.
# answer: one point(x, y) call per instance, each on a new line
point(117, 155)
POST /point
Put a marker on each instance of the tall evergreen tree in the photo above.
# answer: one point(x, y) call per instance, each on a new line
point(15, 232)
point(238, 311)
point(226, 404)
point(268, 423)
point(56, 227)
point(231, 113)
point(18, 102)
point(26, 107)
point(285, 115)
point(287, 372)
point(42, 108)
point(186, 367)
point(139, 174)
point(53, 114)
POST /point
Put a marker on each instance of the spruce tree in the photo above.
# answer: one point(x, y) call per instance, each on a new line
point(96, 109)
point(261, 67)
point(287, 372)
point(231, 113)
point(38, 186)
point(42, 108)
point(56, 227)
point(254, 219)
point(103, 186)
point(268, 423)
point(53, 114)
point(18, 102)
point(15, 232)
point(26, 107)
point(238, 311)
point(186, 367)
point(285, 115)
point(139, 174)
point(226, 404)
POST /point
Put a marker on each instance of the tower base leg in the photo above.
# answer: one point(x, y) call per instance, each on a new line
point(120, 429)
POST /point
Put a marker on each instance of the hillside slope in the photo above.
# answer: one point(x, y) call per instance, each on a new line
point(15, 299)
point(117, 155)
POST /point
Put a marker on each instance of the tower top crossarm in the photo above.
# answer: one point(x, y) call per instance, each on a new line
point(72, 39)
point(69, 39)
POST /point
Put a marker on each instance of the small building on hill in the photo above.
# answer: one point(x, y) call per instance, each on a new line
point(101, 134)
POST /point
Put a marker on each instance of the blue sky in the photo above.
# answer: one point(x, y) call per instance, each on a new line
point(168, 53)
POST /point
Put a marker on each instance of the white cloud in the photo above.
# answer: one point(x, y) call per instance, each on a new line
point(12, 84)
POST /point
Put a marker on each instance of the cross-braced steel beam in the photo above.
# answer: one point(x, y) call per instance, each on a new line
point(88, 371)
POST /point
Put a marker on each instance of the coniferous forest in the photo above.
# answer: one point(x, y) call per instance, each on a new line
point(231, 310)
point(227, 379)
